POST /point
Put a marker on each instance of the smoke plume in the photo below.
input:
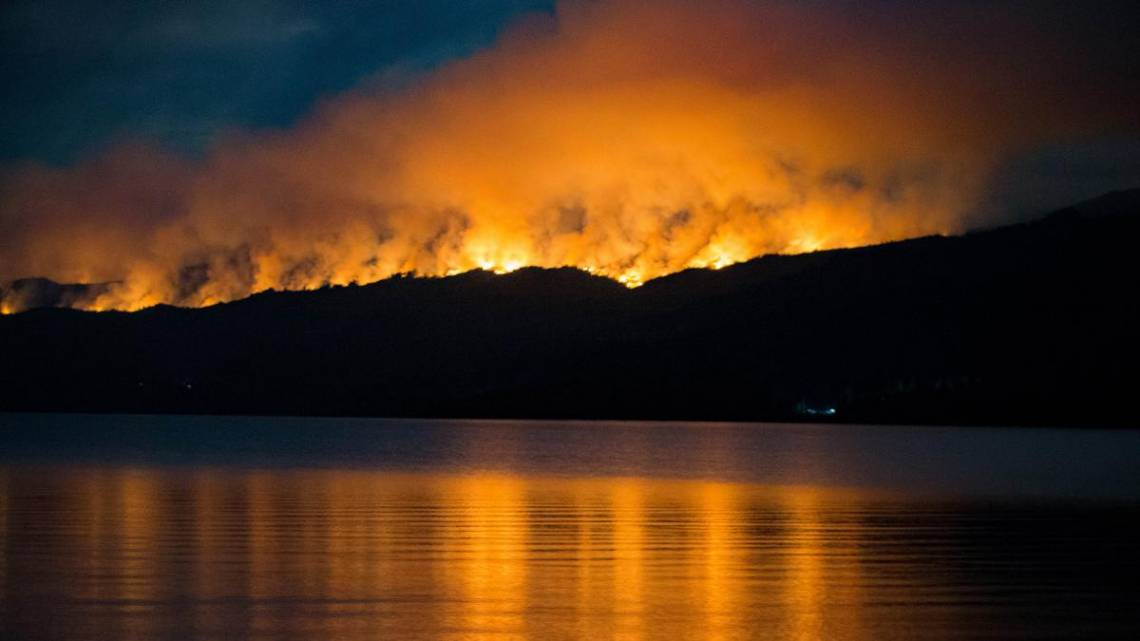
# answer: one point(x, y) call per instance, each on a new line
point(631, 139)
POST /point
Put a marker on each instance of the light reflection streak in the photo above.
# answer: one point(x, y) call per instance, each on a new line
point(486, 559)
point(207, 512)
point(721, 519)
point(805, 566)
point(467, 557)
point(629, 559)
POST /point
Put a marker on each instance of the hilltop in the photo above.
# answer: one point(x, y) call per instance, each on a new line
point(1030, 324)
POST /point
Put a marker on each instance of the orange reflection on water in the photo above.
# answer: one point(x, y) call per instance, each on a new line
point(823, 565)
point(805, 566)
point(484, 556)
point(207, 492)
point(138, 581)
point(479, 557)
point(721, 558)
point(629, 559)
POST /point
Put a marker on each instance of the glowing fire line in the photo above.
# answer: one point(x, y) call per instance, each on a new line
point(761, 129)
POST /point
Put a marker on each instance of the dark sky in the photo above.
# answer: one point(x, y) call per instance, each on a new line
point(80, 73)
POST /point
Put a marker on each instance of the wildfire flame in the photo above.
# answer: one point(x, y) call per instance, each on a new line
point(628, 139)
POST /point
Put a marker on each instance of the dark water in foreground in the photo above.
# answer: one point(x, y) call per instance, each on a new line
point(210, 528)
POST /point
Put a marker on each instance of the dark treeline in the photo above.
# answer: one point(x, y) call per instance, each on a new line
point(1033, 324)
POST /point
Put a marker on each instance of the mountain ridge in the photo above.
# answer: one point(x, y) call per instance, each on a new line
point(46, 293)
point(1026, 324)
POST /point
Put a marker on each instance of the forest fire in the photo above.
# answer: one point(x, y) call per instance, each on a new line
point(576, 140)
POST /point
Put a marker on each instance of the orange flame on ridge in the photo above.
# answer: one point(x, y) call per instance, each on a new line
point(628, 140)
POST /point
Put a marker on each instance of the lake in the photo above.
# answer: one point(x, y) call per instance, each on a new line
point(149, 527)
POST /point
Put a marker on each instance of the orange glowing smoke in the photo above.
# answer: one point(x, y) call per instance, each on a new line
point(629, 139)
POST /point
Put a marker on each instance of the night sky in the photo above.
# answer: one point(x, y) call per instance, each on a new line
point(79, 74)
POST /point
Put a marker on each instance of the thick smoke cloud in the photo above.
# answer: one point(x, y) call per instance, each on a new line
point(628, 138)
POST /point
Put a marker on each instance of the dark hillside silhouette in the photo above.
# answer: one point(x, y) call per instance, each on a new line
point(1029, 324)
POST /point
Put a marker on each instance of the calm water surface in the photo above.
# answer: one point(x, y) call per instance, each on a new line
point(212, 528)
